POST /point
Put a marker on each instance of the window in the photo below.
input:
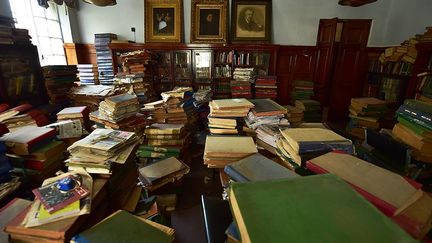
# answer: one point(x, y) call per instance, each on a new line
point(44, 28)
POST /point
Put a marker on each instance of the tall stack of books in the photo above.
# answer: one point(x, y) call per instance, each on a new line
point(59, 79)
point(102, 151)
point(104, 58)
point(88, 74)
point(311, 110)
point(220, 151)
point(266, 87)
point(266, 112)
point(21, 116)
point(137, 71)
point(21, 36)
point(170, 112)
point(365, 113)
point(34, 152)
point(294, 115)
point(6, 27)
point(415, 128)
point(242, 83)
point(302, 90)
point(90, 95)
point(297, 145)
point(226, 115)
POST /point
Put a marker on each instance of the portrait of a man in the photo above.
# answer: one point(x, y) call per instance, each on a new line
point(209, 21)
point(251, 20)
point(163, 22)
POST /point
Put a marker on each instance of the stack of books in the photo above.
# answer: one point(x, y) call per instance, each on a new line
point(101, 150)
point(266, 111)
point(137, 71)
point(202, 97)
point(22, 116)
point(6, 26)
point(80, 113)
point(88, 74)
point(398, 197)
point(297, 145)
point(266, 87)
point(294, 115)
point(268, 135)
point(34, 151)
point(242, 83)
point(104, 58)
point(424, 86)
point(365, 113)
point(170, 112)
point(318, 199)
point(226, 114)
point(90, 95)
point(311, 110)
point(21, 36)
point(415, 128)
point(220, 151)
point(302, 90)
point(59, 79)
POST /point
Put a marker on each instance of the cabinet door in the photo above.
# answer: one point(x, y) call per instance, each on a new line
point(350, 67)
point(325, 58)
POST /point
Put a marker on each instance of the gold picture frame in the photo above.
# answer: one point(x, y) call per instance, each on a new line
point(209, 21)
point(163, 21)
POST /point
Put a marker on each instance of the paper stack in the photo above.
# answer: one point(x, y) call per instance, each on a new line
point(311, 110)
point(100, 150)
point(222, 150)
point(294, 115)
point(365, 113)
point(415, 128)
point(59, 79)
point(266, 111)
point(225, 115)
point(88, 74)
point(266, 87)
point(241, 85)
point(297, 145)
point(90, 95)
point(104, 58)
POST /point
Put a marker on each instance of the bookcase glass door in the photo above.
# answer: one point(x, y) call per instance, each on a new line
point(261, 61)
point(165, 70)
point(203, 68)
point(182, 68)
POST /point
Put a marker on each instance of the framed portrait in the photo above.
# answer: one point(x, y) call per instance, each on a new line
point(251, 20)
point(163, 21)
point(209, 21)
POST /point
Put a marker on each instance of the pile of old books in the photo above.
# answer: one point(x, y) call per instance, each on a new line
point(21, 36)
point(297, 145)
point(302, 90)
point(21, 116)
point(120, 112)
point(6, 27)
point(170, 112)
point(202, 96)
point(80, 113)
point(88, 74)
point(266, 87)
point(220, 151)
point(226, 115)
point(59, 79)
point(311, 110)
point(266, 111)
point(104, 58)
point(365, 113)
point(294, 115)
point(102, 151)
point(415, 128)
point(90, 95)
point(34, 152)
point(242, 83)
point(137, 71)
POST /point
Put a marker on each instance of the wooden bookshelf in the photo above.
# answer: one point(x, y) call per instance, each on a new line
point(422, 64)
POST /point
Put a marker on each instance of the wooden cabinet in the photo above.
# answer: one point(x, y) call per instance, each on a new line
point(421, 77)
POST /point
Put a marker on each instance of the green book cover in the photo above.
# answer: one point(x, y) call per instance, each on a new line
point(415, 120)
point(320, 208)
point(419, 105)
point(122, 227)
point(416, 128)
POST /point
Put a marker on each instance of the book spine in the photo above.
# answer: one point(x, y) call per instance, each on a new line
point(403, 109)
point(231, 172)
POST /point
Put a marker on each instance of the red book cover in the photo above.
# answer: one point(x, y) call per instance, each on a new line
point(4, 107)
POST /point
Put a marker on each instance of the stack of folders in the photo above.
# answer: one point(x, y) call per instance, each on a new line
point(269, 135)
point(122, 226)
point(159, 173)
point(224, 115)
point(365, 113)
point(311, 110)
point(257, 168)
point(88, 74)
point(99, 151)
point(298, 145)
point(34, 151)
point(415, 128)
point(294, 115)
point(222, 150)
point(59, 79)
point(398, 197)
point(254, 201)
point(104, 58)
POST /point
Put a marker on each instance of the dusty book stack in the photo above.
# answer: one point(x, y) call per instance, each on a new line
point(90, 95)
point(266, 87)
point(21, 116)
point(88, 74)
point(104, 58)
point(227, 115)
point(311, 110)
point(242, 83)
point(59, 79)
point(294, 115)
